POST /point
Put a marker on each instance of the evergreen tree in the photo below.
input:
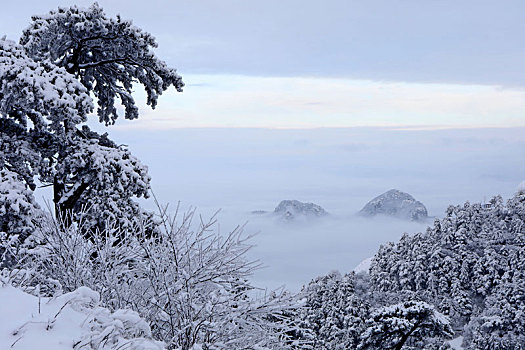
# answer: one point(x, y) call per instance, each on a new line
point(332, 316)
point(17, 212)
point(47, 83)
point(463, 264)
point(501, 325)
point(393, 327)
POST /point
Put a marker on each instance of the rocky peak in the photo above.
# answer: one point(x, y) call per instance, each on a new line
point(397, 204)
point(290, 209)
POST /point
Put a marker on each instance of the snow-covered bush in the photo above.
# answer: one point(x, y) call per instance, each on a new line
point(198, 290)
point(188, 281)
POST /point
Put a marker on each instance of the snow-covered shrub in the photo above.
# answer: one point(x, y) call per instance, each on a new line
point(63, 258)
point(188, 281)
point(121, 329)
point(197, 289)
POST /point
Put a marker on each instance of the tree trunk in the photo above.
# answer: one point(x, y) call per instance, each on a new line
point(64, 208)
point(405, 337)
point(402, 342)
point(61, 211)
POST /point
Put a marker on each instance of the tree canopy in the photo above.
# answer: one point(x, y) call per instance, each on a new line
point(68, 61)
point(107, 55)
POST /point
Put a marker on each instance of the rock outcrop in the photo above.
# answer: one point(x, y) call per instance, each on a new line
point(292, 209)
point(397, 204)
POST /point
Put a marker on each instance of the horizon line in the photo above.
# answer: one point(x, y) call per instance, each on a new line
point(429, 127)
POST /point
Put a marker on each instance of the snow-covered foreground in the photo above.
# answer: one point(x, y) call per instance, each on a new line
point(71, 321)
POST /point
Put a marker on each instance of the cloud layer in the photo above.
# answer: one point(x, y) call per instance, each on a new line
point(241, 170)
point(295, 102)
point(447, 41)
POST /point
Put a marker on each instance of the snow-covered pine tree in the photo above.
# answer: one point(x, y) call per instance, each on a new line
point(462, 265)
point(98, 182)
point(47, 83)
point(332, 316)
point(107, 55)
point(501, 325)
point(37, 101)
point(17, 211)
point(409, 322)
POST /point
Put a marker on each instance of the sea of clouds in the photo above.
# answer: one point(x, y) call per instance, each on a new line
point(242, 170)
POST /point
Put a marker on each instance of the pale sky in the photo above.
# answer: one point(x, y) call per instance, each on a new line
point(302, 64)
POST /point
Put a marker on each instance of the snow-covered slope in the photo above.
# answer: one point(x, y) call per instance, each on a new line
point(70, 321)
point(456, 343)
point(521, 186)
point(397, 204)
point(363, 266)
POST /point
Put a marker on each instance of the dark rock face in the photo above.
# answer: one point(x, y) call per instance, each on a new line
point(291, 209)
point(397, 204)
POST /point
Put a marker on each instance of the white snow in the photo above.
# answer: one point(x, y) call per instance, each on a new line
point(363, 266)
point(73, 320)
point(456, 343)
point(521, 186)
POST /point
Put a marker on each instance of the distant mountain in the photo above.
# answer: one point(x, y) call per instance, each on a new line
point(291, 209)
point(397, 204)
point(259, 212)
